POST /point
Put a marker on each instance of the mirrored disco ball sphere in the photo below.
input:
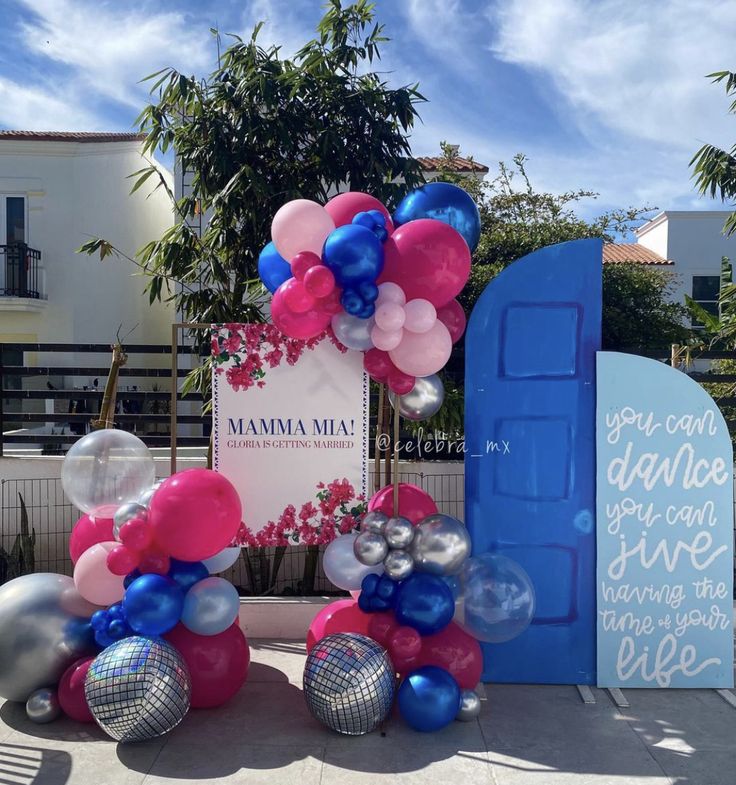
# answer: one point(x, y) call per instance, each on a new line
point(349, 683)
point(106, 467)
point(138, 689)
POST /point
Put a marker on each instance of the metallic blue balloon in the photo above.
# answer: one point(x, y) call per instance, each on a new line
point(429, 699)
point(424, 602)
point(273, 268)
point(187, 573)
point(354, 254)
point(352, 302)
point(153, 604)
point(99, 620)
point(443, 202)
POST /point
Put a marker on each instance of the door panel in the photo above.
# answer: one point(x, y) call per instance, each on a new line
point(530, 464)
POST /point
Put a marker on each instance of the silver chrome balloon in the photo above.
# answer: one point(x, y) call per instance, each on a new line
point(370, 548)
point(146, 496)
point(399, 532)
point(398, 565)
point(440, 546)
point(138, 688)
point(424, 399)
point(349, 683)
point(43, 706)
point(126, 512)
point(44, 627)
point(353, 332)
point(469, 706)
point(374, 522)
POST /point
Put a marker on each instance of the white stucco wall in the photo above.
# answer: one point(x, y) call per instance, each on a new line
point(76, 190)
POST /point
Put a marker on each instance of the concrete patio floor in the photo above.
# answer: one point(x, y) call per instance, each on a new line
point(526, 734)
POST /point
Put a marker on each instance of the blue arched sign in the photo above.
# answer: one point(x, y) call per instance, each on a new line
point(530, 460)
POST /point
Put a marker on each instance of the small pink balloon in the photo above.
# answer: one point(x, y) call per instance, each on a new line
point(300, 225)
point(420, 315)
point(399, 382)
point(390, 292)
point(297, 325)
point(389, 317)
point(136, 534)
point(344, 207)
point(302, 262)
point(296, 297)
point(386, 341)
point(93, 579)
point(453, 317)
point(122, 560)
point(422, 354)
point(319, 281)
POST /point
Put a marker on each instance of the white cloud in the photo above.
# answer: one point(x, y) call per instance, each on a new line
point(110, 47)
point(37, 109)
point(444, 27)
point(634, 67)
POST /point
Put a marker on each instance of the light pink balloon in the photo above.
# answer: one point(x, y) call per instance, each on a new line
point(390, 317)
point(422, 354)
point(300, 225)
point(420, 315)
point(390, 292)
point(385, 341)
point(93, 579)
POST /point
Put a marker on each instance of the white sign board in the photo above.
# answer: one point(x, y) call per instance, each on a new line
point(287, 416)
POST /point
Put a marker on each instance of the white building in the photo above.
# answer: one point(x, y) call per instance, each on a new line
point(56, 191)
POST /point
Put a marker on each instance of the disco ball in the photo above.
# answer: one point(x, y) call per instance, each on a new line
point(349, 683)
point(138, 688)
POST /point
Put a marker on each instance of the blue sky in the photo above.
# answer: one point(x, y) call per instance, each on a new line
point(607, 95)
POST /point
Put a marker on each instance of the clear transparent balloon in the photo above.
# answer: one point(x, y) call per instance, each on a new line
point(106, 467)
point(497, 602)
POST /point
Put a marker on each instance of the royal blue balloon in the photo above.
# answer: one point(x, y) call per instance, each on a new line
point(153, 604)
point(354, 254)
point(99, 620)
point(116, 611)
point(119, 629)
point(366, 311)
point(429, 699)
point(187, 573)
point(386, 588)
point(352, 302)
point(273, 269)
point(368, 292)
point(444, 202)
point(130, 577)
point(103, 639)
point(425, 603)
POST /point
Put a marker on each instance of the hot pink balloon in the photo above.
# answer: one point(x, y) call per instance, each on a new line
point(389, 317)
point(377, 364)
point(330, 304)
point(300, 225)
point(71, 691)
point(303, 262)
point(453, 317)
point(296, 297)
point(93, 579)
point(414, 503)
point(422, 354)
point(89, 530)
point(195, 514)
point(455, 651)
point(420, 316)
point(136, 534)
point(344, 207)
point(319, 281)
point(385, 341)
point(338, 616)
point(154, 561)
point(122, 560)
point(399, 382)
point(381, 626)
point(389, 292)
point(428, 259)
point(297, 325)
point(404, 643)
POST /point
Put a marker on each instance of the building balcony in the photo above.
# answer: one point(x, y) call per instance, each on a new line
point(21, 278)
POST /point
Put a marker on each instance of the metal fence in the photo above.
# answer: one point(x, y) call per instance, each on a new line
point(298, 570)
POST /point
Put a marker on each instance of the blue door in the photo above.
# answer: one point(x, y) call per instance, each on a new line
point(530, 460)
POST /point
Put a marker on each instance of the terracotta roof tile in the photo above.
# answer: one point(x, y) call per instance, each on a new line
point(458, 164)
point(71, 136)
point(632, 253)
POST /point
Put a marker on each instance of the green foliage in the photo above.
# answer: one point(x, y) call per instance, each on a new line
point(714, 169)
point(21, 560)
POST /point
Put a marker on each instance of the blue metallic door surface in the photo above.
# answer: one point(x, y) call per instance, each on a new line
point(530, 462)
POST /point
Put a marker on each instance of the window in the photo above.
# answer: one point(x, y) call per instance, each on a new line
point(705, 293)
point(13, 220)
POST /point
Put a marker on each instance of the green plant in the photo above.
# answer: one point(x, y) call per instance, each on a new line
point(21, 560)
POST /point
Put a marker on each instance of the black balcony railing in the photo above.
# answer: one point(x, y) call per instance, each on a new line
point(21, 275)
